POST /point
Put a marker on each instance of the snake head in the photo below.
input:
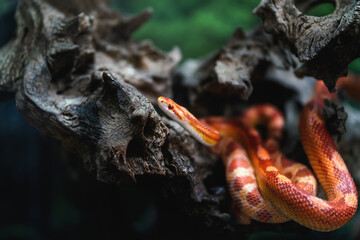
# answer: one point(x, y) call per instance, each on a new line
point(171, 108)
point(200, 131)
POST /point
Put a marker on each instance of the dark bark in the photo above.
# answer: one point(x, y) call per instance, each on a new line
point(79, 77)
point(71, 72)
point(216, 85)
point(321, 43)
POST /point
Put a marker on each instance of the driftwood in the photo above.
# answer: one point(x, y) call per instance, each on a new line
point(315, 40)
point(79, 77)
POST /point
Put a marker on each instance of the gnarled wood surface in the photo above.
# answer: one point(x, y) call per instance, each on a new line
point(315, 40)
point(79, 77)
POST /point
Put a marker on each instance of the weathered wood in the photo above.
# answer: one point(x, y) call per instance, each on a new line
point(217, 84)
point(79, 77)
point(70, 66)
point(321, 43)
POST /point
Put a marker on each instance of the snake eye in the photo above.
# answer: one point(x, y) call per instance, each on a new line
point(170, 107)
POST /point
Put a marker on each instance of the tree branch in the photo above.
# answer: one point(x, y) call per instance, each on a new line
point(321, 43)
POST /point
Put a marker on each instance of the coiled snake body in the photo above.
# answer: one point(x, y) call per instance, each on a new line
point(282, 189)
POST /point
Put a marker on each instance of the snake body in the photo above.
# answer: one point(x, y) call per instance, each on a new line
point(275, 196)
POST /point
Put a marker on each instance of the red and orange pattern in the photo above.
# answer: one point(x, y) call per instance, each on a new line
point(271, 188)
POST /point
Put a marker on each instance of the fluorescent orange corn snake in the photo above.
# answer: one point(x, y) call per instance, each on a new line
point(286, 195)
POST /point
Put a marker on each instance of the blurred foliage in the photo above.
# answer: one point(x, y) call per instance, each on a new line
point(5, 5)
point(41, 198)
point(18, 231)
point(354, 66)
point(203, 26)
point(7, 20)
point(320, 10)
point(197, 27)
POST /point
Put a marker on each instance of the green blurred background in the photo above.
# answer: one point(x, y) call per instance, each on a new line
point(40, 199)
point(197, 27)
point(201, 27)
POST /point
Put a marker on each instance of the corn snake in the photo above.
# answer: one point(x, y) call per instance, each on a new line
point(258, 189)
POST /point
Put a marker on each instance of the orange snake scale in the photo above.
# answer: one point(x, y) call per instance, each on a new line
point(271, 188)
